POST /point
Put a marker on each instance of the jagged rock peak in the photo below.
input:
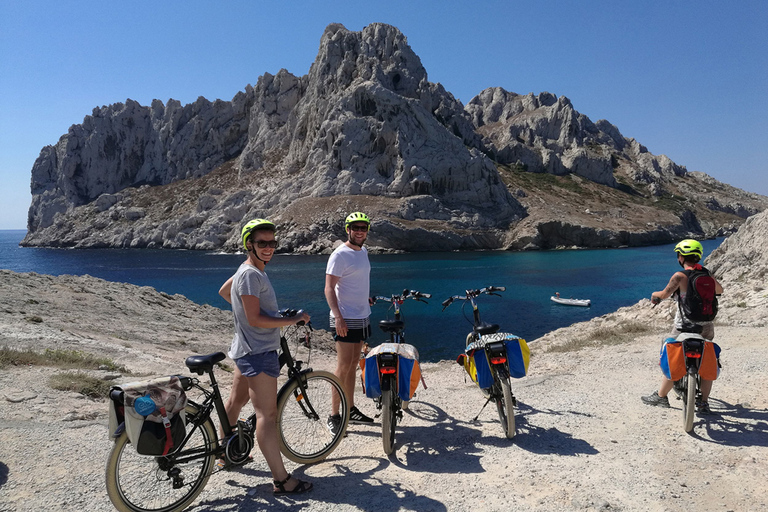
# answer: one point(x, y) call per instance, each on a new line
point(379, 52)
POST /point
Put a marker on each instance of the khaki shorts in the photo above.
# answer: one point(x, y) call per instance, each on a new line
point(707, 331)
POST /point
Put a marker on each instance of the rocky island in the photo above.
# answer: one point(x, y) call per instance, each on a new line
point(365, 129)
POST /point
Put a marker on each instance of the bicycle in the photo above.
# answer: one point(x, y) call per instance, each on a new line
point(486, 359)
point(688, 388)
point(694, 350)
point(172, 482)
point(386, 364)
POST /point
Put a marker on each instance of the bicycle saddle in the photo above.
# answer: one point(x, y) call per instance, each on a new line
point(483, 329)
point(391, 325)
point(692, 328)
point(200, 364)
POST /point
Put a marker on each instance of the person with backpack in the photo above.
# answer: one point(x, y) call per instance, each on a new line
point(695, 291)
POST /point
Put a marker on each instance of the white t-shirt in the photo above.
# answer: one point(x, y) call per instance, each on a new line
point(354, 285)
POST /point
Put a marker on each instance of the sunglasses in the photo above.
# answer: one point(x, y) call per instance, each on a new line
point(263, 244)
point(358, 227)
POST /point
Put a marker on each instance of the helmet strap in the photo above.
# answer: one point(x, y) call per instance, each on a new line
point(349, 239)
point(255, 254)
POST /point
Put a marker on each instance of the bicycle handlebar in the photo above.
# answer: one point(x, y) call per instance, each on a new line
point(407, 294)
point(471, 294)
point(288, 313)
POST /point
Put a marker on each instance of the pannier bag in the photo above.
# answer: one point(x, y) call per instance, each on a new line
point(672, 360)
point(153, 412)
point(476, 360)
point(408, 370)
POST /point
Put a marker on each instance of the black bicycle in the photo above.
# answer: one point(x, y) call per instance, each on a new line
point(137, 483)
point(485, 341)
point(387, 364)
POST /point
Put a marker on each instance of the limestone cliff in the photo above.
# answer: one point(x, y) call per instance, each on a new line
point(366, 130)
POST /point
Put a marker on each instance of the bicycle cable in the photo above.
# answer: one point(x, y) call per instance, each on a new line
point(464, 314)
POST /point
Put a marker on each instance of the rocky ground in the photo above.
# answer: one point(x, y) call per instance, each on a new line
point(585, 441)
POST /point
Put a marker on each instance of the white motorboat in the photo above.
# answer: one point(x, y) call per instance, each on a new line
point(571, 302)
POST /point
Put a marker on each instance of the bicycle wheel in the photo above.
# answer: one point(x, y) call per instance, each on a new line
point(388, 417)
point(689, 405)
point(304, 437)
point(140, 483)
point(506, 407)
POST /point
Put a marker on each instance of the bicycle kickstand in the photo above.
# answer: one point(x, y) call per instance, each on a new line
point(481, 409)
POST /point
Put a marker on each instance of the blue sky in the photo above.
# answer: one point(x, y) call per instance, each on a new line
point(686, 79)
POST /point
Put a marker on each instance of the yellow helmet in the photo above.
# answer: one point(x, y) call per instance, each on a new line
point(253, 225)
point(690, 248)
point(356, 217)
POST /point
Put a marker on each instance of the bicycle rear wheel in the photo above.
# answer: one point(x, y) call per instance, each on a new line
point(689, 404)
point(140, 483)
point(388, 417)
point(505, 405)
point(304, 435)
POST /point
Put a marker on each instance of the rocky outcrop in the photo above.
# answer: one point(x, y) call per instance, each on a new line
point(129, 145)
point(544, 133)
point(743, 258)
point(365, 129)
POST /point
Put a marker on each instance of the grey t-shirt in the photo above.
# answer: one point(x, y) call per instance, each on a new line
point(249, 280)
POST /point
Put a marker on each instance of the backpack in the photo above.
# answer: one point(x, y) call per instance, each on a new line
point(700, 303)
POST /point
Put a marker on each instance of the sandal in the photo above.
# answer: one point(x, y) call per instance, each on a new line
point(301, 487)
point(223, 465)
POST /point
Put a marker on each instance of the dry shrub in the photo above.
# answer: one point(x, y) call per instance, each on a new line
point(603, 336)
point(80, 383)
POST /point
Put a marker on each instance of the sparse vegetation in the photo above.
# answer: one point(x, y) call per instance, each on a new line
point(66, 359)
point(603, 336)
point(80, 383)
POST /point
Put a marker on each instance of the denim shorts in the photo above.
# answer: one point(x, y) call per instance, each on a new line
point(251, 365)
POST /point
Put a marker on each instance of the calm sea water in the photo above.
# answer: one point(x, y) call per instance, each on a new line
point(611, 278)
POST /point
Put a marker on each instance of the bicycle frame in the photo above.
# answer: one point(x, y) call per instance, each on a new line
point(296, 372)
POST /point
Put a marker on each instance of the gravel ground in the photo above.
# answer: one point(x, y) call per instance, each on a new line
point(585, 441)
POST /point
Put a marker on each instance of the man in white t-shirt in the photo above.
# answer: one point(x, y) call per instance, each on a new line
point(347, 290)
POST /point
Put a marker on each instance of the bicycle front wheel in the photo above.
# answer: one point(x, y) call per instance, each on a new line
point(388, 417)
point(302, 417)
point(505, 405)
point(141, 483)
point(690, 401)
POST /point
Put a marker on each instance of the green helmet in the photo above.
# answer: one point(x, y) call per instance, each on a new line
point(690, 248)
point(356, 217)
point(253, 225)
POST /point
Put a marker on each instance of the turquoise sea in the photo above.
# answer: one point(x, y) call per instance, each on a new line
point(611, 278)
